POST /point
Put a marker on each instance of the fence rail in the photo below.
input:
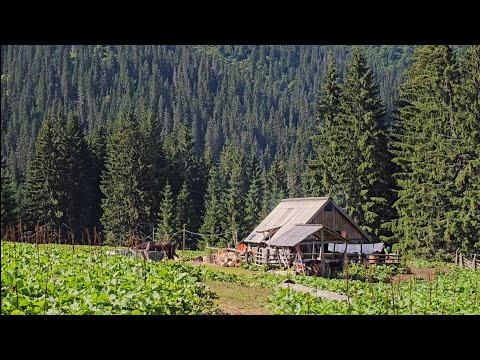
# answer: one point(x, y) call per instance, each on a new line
point(379, 259)
point(469, 261)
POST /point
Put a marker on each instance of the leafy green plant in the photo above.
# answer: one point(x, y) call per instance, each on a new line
point(455, 292)
point(58, 280)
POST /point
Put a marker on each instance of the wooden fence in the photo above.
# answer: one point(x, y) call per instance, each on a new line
point(469, 261)
point(378, 259)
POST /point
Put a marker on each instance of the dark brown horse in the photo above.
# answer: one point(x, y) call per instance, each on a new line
point(164, 246)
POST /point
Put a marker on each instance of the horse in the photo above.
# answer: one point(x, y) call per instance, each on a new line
point(164, 246)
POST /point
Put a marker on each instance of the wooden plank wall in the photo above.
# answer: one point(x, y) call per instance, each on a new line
point(335, 220)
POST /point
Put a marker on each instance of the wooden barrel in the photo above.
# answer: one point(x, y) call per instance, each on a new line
point(372, 259)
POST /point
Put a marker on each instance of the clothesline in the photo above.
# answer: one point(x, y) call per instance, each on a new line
point(194, 233)
point(356, 248)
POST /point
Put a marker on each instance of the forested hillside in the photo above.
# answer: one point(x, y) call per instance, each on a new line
point(257, 96)
point(124, 137)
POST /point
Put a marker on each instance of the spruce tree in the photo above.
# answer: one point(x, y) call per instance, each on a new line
point(428, 151)
point(126, 196)
point(166, 216)
point(325, 168)
point(212, 223)
point(467, 181)
point(275, 186)
point(9, 211)
point(183, 165)
point(45, 192)
point(150, 166)
point(365, 161)
point(232, 212)
point(76, 176)
point(253, 202)
point(234, 204)
point(183, 212)
point(97, 144)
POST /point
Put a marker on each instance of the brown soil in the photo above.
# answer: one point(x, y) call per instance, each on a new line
point(428, 274)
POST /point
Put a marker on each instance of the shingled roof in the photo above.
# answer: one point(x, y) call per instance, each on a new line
point(290, 212)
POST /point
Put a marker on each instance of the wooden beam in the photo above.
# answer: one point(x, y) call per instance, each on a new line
point(299, 255)
point(322, 255)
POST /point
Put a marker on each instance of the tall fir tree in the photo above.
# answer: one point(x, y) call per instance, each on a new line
point(325, 171)
point(77, 176)
point(467, 181)
point(97, 144)
point(126, 196)
point(9, 208)
point(232, 211)
point(151, 164)
point(166, 216)
point(365, 160)
point(253, 202)
point(233, 203)
point(183, 165)
point(275, 186)
point(212, 224)
point(427, 150)
point(184, 213)
point(45, 192)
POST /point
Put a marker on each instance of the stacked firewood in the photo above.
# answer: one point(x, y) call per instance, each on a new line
point(222, 257)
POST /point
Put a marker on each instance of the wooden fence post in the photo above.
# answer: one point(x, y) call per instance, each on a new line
point(475, 262)
point(183, 238)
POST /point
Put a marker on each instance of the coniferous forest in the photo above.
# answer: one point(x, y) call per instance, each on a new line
point(155, 138)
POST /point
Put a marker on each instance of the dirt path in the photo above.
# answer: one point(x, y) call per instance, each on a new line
point(235, 299)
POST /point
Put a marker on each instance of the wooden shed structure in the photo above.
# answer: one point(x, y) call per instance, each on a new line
point(299, 229)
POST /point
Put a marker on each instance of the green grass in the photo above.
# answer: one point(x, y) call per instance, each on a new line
point(232, 270)
point(239, 300)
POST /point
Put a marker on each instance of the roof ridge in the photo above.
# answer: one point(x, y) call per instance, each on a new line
point(306, 198)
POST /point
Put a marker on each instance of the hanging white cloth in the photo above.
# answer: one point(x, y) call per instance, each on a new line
point(353, 248)
point(356, 248)
point(378, 247)
point(338, 247)
point(367, 249)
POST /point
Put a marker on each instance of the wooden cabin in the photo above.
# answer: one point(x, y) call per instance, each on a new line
point(299, 229)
